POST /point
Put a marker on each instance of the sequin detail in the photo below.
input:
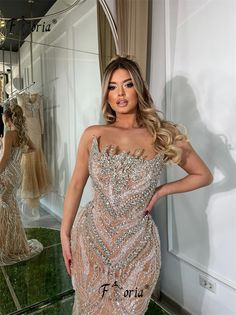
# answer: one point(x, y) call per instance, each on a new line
point(14, 246)
point(111, 238)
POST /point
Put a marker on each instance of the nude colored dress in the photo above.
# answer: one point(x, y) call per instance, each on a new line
point(14, 246)
point(116, 257)
point(36, 180)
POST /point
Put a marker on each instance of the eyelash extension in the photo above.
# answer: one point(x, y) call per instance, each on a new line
point(129, 84)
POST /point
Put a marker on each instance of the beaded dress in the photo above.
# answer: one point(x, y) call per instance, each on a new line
point(116, 257)
point(36, 180)
point(14, 246)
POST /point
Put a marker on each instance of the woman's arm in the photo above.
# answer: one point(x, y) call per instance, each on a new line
point(198, 176)
point(7, 145)
point(76, 185)
point(74, 194)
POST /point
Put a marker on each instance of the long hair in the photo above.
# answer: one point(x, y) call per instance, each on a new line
point(165, 133)
point(14, 113)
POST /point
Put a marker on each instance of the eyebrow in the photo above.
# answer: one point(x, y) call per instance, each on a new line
point(123, 81)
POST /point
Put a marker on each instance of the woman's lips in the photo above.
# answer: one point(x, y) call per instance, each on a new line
point(122, 103)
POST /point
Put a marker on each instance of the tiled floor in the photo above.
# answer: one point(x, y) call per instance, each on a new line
point(40, 218)
point(64, 307)
point(41, 285)
point(41, 278)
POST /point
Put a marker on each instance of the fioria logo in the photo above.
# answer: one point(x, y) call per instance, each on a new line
point(35, 26)
point(126, 293)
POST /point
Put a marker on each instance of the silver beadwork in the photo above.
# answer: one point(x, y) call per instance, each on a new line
point(116, 236)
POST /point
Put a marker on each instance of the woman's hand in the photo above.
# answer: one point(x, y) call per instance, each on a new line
point(66, 250)
point(157, 195)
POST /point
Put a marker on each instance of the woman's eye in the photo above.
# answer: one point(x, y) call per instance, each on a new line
point(130, 84)
point(111, 87)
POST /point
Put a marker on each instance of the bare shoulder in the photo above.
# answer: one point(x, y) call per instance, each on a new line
point(87, 135)
point(189, 155)
point(95, 130)
point(185, 145)
point(8, 139)
point(9, 136)
point(186, 149)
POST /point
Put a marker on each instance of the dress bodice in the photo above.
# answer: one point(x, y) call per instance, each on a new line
point(114, 219)
point(10, 177)
point(15, 156)
point(123, 183)
point(33, 112)
point(30, 106)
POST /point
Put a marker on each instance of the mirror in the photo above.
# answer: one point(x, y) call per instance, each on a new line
point(66, 64)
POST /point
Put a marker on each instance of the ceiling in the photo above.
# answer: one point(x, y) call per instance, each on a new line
point(18, 9)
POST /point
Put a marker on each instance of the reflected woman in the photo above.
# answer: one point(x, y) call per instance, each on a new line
point(14, 246)
point(112, 247)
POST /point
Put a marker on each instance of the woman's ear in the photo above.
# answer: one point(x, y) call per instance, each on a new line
point(8, 124)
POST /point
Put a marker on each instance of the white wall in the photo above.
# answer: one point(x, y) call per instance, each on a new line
point(66, 72)
point(198, 235)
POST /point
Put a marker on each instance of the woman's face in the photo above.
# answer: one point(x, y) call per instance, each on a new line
point(122, 95)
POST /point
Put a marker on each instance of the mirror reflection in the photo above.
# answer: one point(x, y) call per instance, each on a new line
point(50, 91)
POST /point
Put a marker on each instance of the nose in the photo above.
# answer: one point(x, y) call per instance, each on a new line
point(121, 90)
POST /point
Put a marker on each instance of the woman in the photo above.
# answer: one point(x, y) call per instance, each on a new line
point(14, 246)
point(113, 249)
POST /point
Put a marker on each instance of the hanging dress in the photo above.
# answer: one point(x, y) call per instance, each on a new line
point(36, 179)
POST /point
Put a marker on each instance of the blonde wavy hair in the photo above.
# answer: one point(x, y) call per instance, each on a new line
point(14, 113)
point(165, 133)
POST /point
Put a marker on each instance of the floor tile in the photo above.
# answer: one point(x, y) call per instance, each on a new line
point(154, 309)
point(6, 302)
point(63, 307)
point(40, 278)
point(46, 236)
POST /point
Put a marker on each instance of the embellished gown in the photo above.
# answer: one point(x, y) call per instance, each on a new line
point(116, 257)
point(36, 180)
point(14, 246)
